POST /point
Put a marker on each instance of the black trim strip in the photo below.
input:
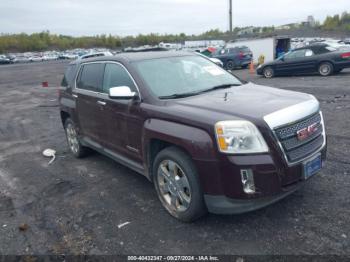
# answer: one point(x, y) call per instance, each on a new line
point(116, 157)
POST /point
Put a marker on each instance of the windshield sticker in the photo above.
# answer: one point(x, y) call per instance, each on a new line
point(213, 70)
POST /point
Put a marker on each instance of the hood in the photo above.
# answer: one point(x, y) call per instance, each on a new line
point(250, 102)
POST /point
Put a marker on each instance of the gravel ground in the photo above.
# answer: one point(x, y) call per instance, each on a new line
point(75, 206)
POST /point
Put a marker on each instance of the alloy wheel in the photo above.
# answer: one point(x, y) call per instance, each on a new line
point(268, 72)
point(325, 70)
point(174, 186)
point(72, 138)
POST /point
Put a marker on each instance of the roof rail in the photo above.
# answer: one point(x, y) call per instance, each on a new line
point(151, 49)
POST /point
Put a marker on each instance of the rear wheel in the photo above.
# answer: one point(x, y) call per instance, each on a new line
point(325, 69)
point(176, 181)
point(269, 72)
point(230, 65)
point(73, 140)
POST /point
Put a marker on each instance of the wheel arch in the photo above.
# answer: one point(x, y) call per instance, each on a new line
point(160, 134)
point(325, 61)
point(64, 116)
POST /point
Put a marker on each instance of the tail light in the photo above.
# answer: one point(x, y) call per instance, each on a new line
point(241, 55)
point(345, 55)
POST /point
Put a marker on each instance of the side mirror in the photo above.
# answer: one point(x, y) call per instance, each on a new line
point(121, 92)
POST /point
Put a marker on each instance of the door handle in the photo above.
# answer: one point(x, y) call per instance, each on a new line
point(74, 95)
point(102, 103)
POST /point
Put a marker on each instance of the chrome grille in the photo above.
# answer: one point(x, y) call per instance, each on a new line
point(296, 150)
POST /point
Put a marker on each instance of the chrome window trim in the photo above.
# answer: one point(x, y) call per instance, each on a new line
point(104, 62)
point(290, 115)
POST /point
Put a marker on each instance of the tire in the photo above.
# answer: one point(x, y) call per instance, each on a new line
point(325, 69)
point(76, 148)
point(268, 72)
point(178, 187)
point(230, 65)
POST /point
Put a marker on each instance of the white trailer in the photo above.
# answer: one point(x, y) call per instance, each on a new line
point(270, 47)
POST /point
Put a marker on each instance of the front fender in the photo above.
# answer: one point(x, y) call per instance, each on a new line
point(195, 141)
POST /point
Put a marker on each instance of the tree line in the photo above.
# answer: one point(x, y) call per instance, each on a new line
point(47, 41)
point(337, 22)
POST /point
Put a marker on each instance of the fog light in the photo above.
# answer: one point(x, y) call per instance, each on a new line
point(248, 181)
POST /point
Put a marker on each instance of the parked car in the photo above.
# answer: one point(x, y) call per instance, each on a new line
point(217, 61)
point(207, 141)
point(235, 57)
point(36, 58)
point(67, 56)
point(5, 60)
point(21, 59)
point(214, 60)
point(320, 58)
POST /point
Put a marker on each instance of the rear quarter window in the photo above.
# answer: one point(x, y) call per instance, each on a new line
point(69, 76)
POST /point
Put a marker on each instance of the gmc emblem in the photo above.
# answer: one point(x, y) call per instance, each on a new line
point(306, 132)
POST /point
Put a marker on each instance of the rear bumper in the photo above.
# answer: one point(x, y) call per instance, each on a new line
point(225, 205)
point(342, 65)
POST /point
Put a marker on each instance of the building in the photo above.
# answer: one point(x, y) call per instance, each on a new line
point(246, 31)
point(311, 21)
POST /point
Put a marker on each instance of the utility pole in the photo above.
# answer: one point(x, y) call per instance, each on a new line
point(230, 15)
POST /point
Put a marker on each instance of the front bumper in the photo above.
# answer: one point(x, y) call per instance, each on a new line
point(225, 205)
point(223, 189)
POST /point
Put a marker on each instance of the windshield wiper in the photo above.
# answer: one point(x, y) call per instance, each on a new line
point(174, 96)
point(225, 86)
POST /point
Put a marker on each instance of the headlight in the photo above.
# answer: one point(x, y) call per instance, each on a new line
point(239, 137)
point(259, 66)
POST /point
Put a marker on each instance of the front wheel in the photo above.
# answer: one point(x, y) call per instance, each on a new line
point(177, 184)
point(325, 69)
point(269, 72)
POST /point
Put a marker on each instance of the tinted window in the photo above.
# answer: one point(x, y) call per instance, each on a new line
point(69, 76)
point(116, 75)
point(233, 50)
point(295, 54)
point(221, 51)
point(91, 77)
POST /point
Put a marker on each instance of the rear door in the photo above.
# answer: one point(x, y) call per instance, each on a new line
point(89, 100)
point(123, 125)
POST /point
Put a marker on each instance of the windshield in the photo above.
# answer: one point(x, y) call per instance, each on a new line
point(183, 75)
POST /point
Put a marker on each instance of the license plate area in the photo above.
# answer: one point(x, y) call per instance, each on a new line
point(312, 166)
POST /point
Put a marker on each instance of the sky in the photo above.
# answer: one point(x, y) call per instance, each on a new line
point(132, 17)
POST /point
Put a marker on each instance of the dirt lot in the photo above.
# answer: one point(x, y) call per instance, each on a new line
point(75, 206)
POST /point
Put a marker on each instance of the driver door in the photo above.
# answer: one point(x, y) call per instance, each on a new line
point(122, 127)
point(298, 61)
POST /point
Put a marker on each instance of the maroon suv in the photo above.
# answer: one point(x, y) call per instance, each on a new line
point(208, 141)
